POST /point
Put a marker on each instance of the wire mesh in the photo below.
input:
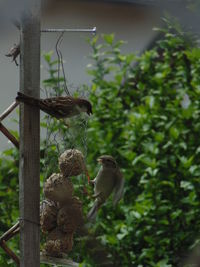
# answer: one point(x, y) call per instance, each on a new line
point(64, 134)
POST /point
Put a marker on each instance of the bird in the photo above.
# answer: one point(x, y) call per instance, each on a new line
point(59, 107)
point(108, 180)
point(14, 53)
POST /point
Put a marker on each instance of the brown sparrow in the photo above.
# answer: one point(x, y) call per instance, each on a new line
point(14, 53)
point(59, 107)
point(109, 179)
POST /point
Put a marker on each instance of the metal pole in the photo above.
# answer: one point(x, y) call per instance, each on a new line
point(91, 30)
point(29, 173)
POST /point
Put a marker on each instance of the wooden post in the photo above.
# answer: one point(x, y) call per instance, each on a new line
point(29, 176)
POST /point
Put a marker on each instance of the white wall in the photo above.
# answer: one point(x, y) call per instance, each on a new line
point(129, 22)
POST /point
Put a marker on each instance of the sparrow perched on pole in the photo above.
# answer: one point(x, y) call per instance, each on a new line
point(109, 179)
point(59, 107)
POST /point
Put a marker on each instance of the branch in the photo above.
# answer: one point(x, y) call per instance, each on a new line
point(10, 252)
point(10, 233)
point(9, 135)
point(8, 110)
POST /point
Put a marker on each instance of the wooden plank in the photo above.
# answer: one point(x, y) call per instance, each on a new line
point(8, 234)
point(29, 176)
point(11, 137)
point(8, 110)
point(10, 252)
point(57, 261)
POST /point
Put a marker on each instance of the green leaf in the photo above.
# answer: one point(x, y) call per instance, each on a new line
point(174, 132)
point(109, 38)
point(186, 185)
point(47, 56)
point(163, 263)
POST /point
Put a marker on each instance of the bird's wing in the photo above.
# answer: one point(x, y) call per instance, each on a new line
point(60, 106)
point(104, 182)
point(119, 188)
point(59, 102)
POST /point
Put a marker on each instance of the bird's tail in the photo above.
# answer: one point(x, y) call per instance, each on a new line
point(27, 99)
point(91, 216)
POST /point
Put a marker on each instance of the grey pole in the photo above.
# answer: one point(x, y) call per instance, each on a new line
point(29, 168)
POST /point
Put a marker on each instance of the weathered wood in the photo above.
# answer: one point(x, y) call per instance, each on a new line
point(9, 252)
point(10, 233)
point(57, 261)
point(8, 110)
point(29, 176)
point(11, 137)
point(5, 237)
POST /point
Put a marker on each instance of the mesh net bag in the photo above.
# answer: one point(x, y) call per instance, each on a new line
point(48, 215)
point(62, 144)
point(58, 189)
point(58, 243)
point(70, 216)
point(71, 163)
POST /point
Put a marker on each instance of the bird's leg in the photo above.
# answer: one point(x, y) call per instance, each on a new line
point(92, 181)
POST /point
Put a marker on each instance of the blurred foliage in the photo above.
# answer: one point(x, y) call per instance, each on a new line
point(9, 190)
point(146, 114)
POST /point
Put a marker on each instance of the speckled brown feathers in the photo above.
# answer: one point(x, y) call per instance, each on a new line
point(59, 107)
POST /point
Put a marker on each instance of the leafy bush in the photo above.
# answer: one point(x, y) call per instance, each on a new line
point(9, 208)
point(146, 114)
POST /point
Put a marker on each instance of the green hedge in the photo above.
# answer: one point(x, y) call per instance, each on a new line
point(147, 115)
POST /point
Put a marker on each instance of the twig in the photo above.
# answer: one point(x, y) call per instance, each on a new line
point(10, 233)
point(10, 252)
point(5, 237)
point(9, 135)
point(8, 110)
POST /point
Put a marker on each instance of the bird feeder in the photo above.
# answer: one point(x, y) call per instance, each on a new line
point(58, 243)
point(71, 163)
point(58, 188)
point(70, 216)
point(48, 215)
point(61, 212)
